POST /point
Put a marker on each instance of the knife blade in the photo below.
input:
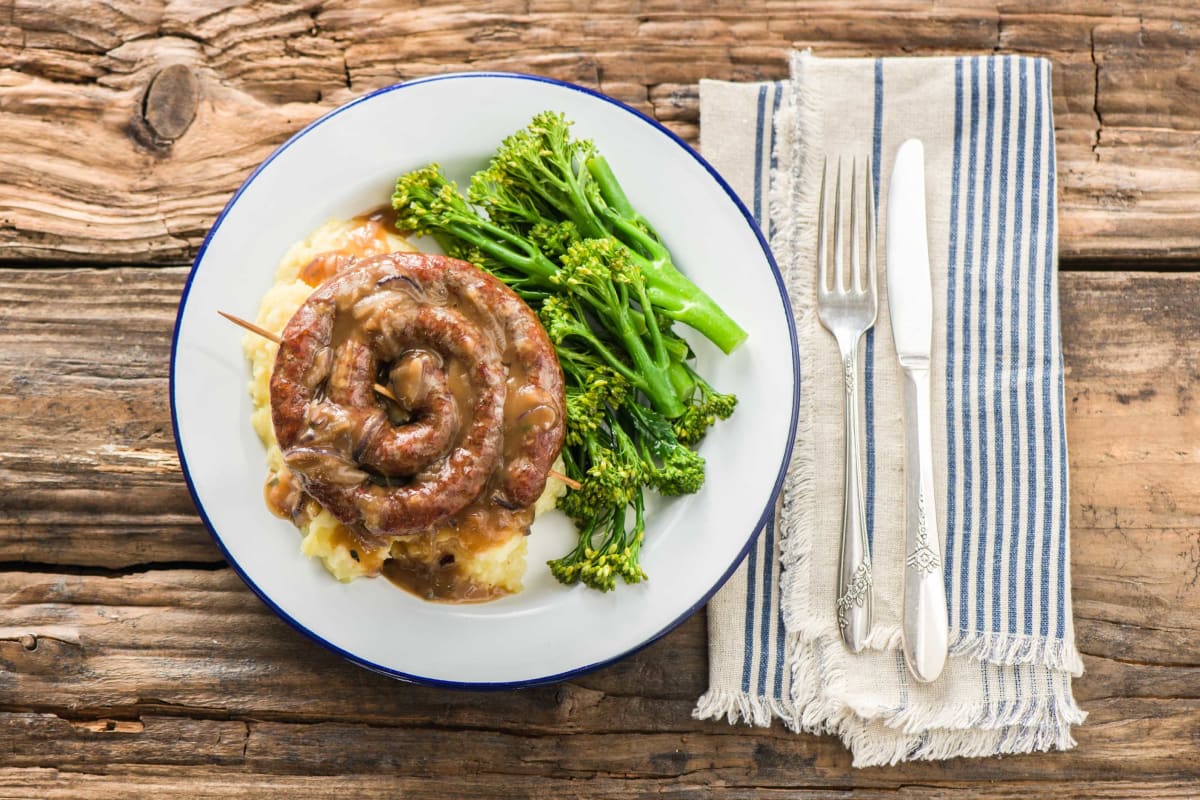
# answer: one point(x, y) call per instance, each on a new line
point(910, 305)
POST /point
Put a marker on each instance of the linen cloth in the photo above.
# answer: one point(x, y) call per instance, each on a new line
point(998, 429)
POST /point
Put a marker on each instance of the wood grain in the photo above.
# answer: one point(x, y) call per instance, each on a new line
point(192, 671)
point(133, 661)
point(215, 782)
point(217, 651)
point(89, 455)
point(128, 126)
point(86, 448)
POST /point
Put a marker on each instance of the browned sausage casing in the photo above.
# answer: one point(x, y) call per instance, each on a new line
point(481, 407)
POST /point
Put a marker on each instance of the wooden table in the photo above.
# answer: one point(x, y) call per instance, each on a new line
point(133, 662)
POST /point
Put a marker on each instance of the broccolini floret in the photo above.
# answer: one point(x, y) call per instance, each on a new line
point(670, 466)
point(702, 409)
point(599, 277)
point(543, 167)
point(427, 202)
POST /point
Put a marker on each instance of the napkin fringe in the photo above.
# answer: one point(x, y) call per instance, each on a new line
point(796, 187)
point(1004, 648)
point(1038, 722)
point(819, 690)
point(736, 706)
point(818, 711)
point(1052, 712)
point(872, 750)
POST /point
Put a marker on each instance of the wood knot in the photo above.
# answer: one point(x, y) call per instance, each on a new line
point(29, 642)
point(170, 102)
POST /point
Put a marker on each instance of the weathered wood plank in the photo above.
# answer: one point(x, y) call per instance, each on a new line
point(147, 640)
point(1132, 425)
point(1126, 737)
point(216, 782)
point(86, 446)
point(100, 169)
point(199, 639)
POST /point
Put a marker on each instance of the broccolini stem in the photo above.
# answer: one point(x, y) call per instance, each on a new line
point(701, 313)
point(586, 220)
point(575, 207)
point(662, 356)
point(653, 378)
point(674, 294)
point(650, 372)
point(681, 379)
point(669, 289)
point(639, 532)
point(609, 357)
point(525, 258)
point(610, 188)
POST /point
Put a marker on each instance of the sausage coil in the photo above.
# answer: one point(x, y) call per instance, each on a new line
point(479, 409)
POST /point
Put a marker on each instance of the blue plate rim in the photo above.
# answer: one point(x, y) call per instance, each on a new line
point(546, 679)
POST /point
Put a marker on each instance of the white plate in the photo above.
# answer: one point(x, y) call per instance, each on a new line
point(347, 162)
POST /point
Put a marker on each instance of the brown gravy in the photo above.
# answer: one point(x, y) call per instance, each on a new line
point(367, 238)
point(429, 565)
point(282, 493)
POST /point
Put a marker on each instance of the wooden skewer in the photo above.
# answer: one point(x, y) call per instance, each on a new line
point(379, 388)
point(266, 334)
point(574, 484)
point(250, 326)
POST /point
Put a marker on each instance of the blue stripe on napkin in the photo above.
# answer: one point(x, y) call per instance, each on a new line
point(869, 346)
point(1004, 376)
point(764, 661)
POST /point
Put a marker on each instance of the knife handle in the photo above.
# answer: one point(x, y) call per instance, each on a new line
point(925, 623)
point(854, 606)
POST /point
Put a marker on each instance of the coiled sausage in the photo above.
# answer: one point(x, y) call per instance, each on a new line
point(480, 409)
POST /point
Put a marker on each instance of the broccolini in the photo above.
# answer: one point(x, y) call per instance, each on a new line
point(549, 218)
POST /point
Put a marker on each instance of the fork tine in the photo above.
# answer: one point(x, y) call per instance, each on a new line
point(822, 248)
point(857, 284)
point(871, 233)
point(839, 266)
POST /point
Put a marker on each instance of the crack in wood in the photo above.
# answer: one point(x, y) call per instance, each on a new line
point(1096, 96)
point(32, 641)
point(1133, 662)
point(34, 568)
point(110, 726)
point(151, 707)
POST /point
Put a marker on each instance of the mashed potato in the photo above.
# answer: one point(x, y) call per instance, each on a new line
point(487, 562)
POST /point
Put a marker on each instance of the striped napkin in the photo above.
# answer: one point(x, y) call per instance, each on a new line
point(999, 437)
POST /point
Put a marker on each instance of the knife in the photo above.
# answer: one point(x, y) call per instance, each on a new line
point(910, 303)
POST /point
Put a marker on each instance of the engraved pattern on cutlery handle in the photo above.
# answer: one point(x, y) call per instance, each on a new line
point(925, 623)
point(854, 606)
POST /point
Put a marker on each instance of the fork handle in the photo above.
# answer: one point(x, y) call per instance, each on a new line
point(854, 609)
point(924, 618)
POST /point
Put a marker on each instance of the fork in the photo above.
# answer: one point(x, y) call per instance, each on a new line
point(848, 311)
